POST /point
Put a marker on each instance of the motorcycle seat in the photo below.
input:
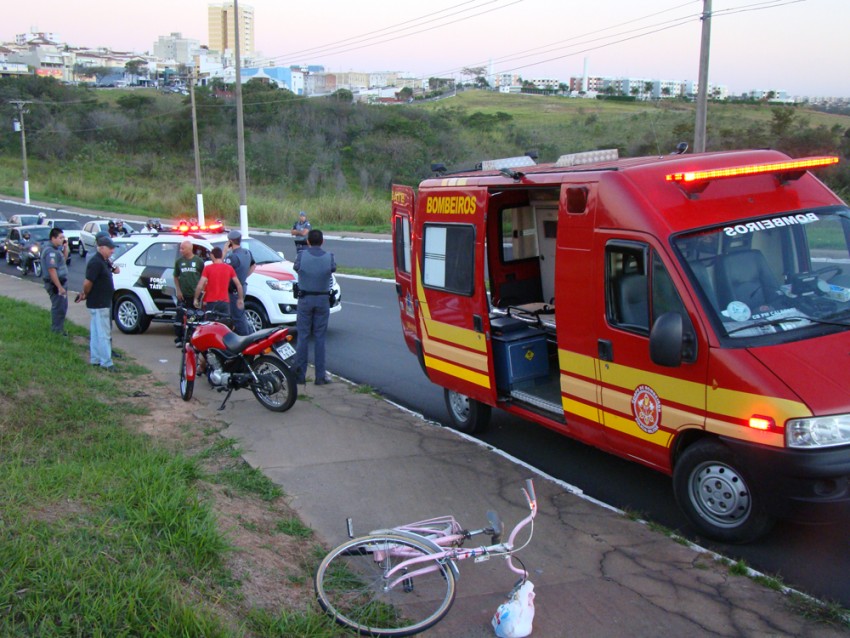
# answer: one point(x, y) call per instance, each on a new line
point(236, 344)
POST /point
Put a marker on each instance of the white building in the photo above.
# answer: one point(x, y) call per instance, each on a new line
point(176, 47)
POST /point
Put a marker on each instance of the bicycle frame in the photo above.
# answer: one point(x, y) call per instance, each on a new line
point(445, 535)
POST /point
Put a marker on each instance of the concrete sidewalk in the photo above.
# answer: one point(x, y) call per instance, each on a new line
point(339, 452)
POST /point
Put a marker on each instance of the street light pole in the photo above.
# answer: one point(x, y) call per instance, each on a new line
point(198, 189)
point(20, 104)
point(240, 132)
point(702, 93)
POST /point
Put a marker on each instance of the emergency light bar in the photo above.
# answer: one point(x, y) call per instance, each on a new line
point(588, 157)
point(507, 162)
point(193, 227)
point(791, 166)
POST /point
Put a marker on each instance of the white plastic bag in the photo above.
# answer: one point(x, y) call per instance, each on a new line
point(513, 618)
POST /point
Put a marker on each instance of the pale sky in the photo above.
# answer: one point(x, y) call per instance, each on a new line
point(798, 46)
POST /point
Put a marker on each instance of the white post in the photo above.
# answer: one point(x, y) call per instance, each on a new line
point(26, 192)
point(201, 221)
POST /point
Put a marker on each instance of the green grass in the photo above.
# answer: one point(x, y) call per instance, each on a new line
point(103, 532)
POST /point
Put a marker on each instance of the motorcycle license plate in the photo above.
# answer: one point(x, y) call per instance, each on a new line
point(285, 350)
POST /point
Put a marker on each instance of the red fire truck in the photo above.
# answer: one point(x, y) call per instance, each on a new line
point(688, 312)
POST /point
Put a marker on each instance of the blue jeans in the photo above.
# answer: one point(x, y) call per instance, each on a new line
point(100, 345)
point(241, 325)
point(312, 322)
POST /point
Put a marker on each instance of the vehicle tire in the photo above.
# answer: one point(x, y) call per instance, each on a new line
point(83, 251)
point(129, 315)
point(272, 370)
point(36, 268)
point(467, 415)
point(350, 586)
point(256, 315)
point(187, 369)
point(716, 494)
point(8, 258)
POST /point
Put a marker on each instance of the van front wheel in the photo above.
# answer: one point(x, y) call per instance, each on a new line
point(468, 415)
point(716, 495)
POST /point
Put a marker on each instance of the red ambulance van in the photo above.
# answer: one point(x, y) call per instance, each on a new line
point(688, 312)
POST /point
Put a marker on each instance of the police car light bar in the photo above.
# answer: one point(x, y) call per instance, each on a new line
point(791, 166)
point(588, 157)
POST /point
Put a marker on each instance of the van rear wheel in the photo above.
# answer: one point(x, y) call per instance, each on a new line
point(467, 415)
point(717, 496)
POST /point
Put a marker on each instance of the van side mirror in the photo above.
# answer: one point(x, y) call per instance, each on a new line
point(666, 340)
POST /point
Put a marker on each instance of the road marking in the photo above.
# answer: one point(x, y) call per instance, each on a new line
point(362, 305)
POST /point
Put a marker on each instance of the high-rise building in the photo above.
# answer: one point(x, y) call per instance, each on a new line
point(222, 28)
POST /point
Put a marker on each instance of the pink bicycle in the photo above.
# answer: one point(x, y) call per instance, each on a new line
point(401, 581)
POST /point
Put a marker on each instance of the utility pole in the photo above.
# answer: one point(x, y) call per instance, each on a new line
point(240, 131)
point(198, 189)
point(21, 104)
point(702, 93)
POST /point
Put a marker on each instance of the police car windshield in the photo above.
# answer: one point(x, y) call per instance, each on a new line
point(768, 276)
point(261, 252)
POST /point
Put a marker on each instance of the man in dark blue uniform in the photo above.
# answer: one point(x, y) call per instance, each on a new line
point(314, 267)
point(242, 261)
point(54, 270)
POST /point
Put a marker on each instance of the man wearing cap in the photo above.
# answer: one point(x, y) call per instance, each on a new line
point(54, 269)
point(300, 230)
point(97, 293)
point(242, 261)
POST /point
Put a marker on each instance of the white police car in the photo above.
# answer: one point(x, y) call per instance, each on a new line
point(144, 289)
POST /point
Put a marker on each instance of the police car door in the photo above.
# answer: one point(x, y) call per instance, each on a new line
point(157, 274)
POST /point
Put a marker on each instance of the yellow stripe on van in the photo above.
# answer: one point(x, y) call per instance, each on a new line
point(686, 392)
point(457, 371)
point(455, 334)
point(630, 428)
point(578, 364)
point(738, 431)
point(743, 405)
point(475, 360)
point(588, 412)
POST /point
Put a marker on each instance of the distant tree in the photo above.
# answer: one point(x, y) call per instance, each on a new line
point(98, 72)
point(342, 95)
point(136, 67)
point(405, 94)
point(783, 117)
point(481, 82)
point(647, 87)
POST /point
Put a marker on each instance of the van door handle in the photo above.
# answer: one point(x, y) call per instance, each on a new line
point(606, 350)
point(398, 289)
point(477, 324)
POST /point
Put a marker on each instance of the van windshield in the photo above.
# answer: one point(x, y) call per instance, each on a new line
point(770, 276)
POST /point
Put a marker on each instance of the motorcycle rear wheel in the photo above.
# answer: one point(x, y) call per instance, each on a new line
point(284, 398)
point(187, 386)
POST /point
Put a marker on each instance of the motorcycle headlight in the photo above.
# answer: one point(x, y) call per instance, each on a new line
point(34, 249)
point(818, 432)
point(277, 284)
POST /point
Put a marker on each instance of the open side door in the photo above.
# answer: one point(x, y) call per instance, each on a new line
point(403, 205)
point(453, 309)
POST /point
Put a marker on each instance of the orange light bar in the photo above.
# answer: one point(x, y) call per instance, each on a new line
point(761, 423)
point(753, 169)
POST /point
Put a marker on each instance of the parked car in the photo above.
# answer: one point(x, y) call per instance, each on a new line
point(91, 229)
point(4, 233)
point(144, 289)
point(15, 241)
point(24, 220)
point(71, 228)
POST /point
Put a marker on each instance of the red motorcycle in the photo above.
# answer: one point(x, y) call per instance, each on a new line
point(234, 362)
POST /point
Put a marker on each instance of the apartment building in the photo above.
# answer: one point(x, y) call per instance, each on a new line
point(222, 28)
point(176, 47)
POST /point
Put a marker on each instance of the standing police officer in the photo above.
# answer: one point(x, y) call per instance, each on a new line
point(300, 230)
point(314, 267)
point(242, 261)
point(54, 271)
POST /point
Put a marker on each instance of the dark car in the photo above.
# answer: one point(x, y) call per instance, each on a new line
point(16, 243)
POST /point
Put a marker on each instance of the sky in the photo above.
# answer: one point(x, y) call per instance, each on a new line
point(797, 46)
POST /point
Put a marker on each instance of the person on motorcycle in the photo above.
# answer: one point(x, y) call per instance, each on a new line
point(26, 253)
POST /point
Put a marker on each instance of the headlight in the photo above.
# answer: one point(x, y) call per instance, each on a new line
point(277, 284)
point(826, 431)
point(33, 249)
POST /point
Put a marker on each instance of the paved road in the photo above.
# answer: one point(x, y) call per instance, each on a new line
point(814, 559)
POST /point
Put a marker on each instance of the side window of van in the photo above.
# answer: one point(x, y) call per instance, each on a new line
point(449, 257)
point(639, 288)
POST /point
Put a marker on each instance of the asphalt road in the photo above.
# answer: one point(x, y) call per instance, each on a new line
point(365, 346)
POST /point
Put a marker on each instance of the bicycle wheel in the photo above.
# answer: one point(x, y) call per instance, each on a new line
point(354, 586)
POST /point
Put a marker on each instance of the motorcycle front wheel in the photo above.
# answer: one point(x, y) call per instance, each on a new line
point(187, 369)
point(277, 389)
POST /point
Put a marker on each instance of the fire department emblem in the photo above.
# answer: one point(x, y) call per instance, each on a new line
point(646, 408)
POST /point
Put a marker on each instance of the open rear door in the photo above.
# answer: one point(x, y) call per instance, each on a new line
point(404, 202)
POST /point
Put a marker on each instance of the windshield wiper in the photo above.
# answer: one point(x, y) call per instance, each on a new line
point(780, 320)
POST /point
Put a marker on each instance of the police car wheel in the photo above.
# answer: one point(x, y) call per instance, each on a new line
point(467, 415)
point(717, 496)
point(256, 315)
point(129, 315)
